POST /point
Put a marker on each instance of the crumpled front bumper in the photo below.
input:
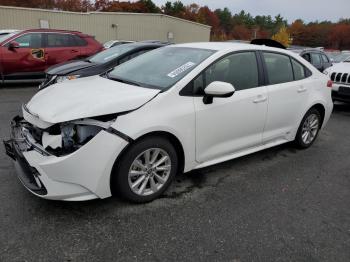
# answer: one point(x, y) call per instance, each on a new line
point(82, 175)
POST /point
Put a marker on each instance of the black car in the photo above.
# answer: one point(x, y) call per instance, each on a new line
point(98, 63)
point(317, 58)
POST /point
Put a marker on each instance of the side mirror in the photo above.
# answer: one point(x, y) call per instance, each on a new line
point(13, 45)
point(217, 89)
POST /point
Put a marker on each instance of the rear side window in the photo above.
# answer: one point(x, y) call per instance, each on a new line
point(299, 70)
point(316, 59)
point(79, 41)
point(63, 40)
point(29, 40)
point(325, 58)
point(279, 68)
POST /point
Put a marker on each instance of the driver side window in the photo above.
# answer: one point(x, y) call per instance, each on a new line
point(29, 40)
point(240, 70)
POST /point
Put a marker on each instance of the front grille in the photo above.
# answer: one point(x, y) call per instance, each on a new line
point(341, 78)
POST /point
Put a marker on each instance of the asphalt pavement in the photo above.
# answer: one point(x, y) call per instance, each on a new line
point(281, 204)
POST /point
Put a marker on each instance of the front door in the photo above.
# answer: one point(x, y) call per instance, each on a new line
point(232, 124)
point(27, 59)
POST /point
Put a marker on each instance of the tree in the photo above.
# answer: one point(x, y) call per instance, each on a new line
point(225, 18)
point(282, 36)
point(150, 6)
point(175, 9)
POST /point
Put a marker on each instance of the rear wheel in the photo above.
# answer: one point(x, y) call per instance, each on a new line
point(146, 170)
point(308, 129)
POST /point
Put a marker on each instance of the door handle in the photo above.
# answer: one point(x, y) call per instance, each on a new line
point(260, 99)
point(301, 89)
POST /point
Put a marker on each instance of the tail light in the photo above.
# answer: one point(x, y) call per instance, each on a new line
point(330, 84)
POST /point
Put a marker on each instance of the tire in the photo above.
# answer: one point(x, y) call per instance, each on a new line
point(310, 124)
point(131, 172)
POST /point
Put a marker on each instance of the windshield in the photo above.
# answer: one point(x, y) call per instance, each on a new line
point(160, 68)
point(347, 60)
point(341, 57)
point(112, 53)
point(4, 37)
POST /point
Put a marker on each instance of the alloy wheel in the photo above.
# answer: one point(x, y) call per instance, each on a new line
point(149, 171)
point(310, 129)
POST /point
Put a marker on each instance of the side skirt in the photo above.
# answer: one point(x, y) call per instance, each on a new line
point(241, 153)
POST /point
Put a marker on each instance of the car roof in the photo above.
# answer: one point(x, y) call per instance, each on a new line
point(230, 46)
point(142, 44)
point(51, 30)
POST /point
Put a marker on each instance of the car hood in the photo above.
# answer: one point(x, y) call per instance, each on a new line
point(87, 97)
point(69, 67)
point(340, 68)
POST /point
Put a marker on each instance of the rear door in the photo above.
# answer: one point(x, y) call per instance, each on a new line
point(61, 47)
point(317, 61)
point(26, 60)
point(326, 62)
point(288, 91)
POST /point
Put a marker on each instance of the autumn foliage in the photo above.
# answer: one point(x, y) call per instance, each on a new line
point(225, 25)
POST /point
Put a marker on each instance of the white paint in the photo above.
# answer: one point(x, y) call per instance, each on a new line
point(248, 121)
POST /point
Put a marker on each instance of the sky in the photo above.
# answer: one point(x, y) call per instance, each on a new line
point(308, 10)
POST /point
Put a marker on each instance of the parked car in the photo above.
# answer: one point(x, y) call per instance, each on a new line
point(113, 43)
point(340, 75)
point(341, 57)
point(174, 109)
point(27, 54)
point(96, 64)
point(317, 58)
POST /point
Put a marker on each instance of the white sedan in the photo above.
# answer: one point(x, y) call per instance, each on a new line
point(172, 110)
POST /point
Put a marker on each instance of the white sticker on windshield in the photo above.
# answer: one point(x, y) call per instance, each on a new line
point(181, 69)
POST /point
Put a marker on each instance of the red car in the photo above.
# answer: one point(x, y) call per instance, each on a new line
point(25, 55)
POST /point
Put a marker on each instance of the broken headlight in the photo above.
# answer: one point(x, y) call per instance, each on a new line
point(65, 138)
point(60, 79)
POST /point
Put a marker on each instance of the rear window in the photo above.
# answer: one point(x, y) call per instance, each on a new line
point(279, 68)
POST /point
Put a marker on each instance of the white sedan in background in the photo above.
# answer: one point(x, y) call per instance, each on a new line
point(171, 110)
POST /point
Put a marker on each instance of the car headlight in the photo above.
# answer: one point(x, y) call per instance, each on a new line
point(65, 138)
point(60, 79)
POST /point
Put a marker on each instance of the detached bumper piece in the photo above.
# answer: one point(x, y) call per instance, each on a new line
point(14, 147)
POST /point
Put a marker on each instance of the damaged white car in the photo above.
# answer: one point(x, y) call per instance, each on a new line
point(171, 110)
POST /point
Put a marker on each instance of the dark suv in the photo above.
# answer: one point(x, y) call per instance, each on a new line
point(317, 58)
point(25, 55)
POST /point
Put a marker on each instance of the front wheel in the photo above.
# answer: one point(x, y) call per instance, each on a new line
point(308, 129)
point(145, 170)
